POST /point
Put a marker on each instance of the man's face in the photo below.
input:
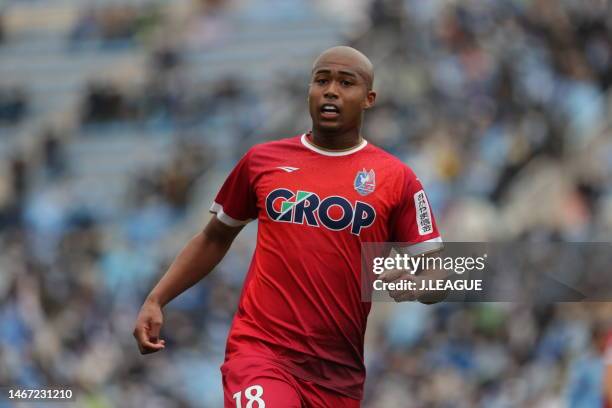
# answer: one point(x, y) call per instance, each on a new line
point(338, 94)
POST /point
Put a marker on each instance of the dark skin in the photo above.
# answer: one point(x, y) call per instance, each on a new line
point(341, 76)
point(197, 259)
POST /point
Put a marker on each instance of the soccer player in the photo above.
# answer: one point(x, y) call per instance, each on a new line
point(297, 336)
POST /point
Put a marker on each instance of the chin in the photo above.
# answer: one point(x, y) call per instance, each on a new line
point(329, 128)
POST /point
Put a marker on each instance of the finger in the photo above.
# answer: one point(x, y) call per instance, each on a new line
point(149, 347)
point(400, 295)
point(154, 329)
point(391, 275)
point(405, 281)
point(144, 343)
point(403, 296)
point(406, 296)
point(140, 334)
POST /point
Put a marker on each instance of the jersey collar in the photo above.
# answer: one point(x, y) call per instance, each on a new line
point(315, 149)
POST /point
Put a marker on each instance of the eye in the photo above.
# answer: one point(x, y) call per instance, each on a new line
point(321, 81)
point(346, 83)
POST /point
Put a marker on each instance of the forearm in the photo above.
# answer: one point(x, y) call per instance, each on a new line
point(608, 382)
point(196, 260)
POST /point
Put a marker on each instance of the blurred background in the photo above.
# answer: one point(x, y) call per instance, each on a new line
point(119, 119)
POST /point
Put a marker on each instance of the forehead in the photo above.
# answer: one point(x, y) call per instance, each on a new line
point(336, 66)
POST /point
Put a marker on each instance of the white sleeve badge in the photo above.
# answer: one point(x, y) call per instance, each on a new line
point(423, 213)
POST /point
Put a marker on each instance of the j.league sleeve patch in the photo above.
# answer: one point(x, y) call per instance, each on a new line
point(423, 214)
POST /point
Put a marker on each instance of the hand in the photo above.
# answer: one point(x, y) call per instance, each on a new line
point(148, 324)
point(396, 275)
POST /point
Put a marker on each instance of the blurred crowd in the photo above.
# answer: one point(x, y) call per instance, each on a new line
point(13, 104)
point(500, 107)
point(114, 24)
point(2, 31)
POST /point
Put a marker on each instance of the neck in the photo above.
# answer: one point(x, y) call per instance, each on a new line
point(336, 140)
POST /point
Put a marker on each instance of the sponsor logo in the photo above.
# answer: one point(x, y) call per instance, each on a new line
point(365, 182)
point(334, 212)
point(288, 169)
point(423, 213)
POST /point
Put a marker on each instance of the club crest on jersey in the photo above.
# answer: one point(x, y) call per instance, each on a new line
point(365, 182)
point(334, 212)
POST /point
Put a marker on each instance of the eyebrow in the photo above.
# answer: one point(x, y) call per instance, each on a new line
point(327, 71)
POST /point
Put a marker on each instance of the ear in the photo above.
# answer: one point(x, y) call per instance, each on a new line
point(370, 100)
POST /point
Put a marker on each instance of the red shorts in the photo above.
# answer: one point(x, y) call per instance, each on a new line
point(255, 382)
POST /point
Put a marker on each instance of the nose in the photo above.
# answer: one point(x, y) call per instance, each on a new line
point(331, 91)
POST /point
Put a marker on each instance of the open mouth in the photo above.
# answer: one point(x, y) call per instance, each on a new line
point(329, 111)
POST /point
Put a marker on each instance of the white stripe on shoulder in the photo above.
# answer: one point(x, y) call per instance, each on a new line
point(217, 209)
point(425, 247)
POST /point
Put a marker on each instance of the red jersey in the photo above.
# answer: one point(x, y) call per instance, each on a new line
point(301, 301)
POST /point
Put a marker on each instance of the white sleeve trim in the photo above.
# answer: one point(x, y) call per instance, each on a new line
point(217, 208)
point(425, 247)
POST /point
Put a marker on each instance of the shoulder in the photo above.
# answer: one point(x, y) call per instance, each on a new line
point(274, 147)
point(391, 162)
point(262, 156)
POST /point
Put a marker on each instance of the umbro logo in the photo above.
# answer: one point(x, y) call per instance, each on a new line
point(288, 169)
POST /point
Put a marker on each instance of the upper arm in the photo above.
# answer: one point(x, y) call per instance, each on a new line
point(236, 201)
point(220, 232)
point(413, 221)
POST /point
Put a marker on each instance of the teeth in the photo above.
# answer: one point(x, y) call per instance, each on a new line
point(330, 109)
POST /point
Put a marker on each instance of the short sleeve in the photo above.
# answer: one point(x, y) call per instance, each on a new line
point(413, 220)
point(236, 203)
